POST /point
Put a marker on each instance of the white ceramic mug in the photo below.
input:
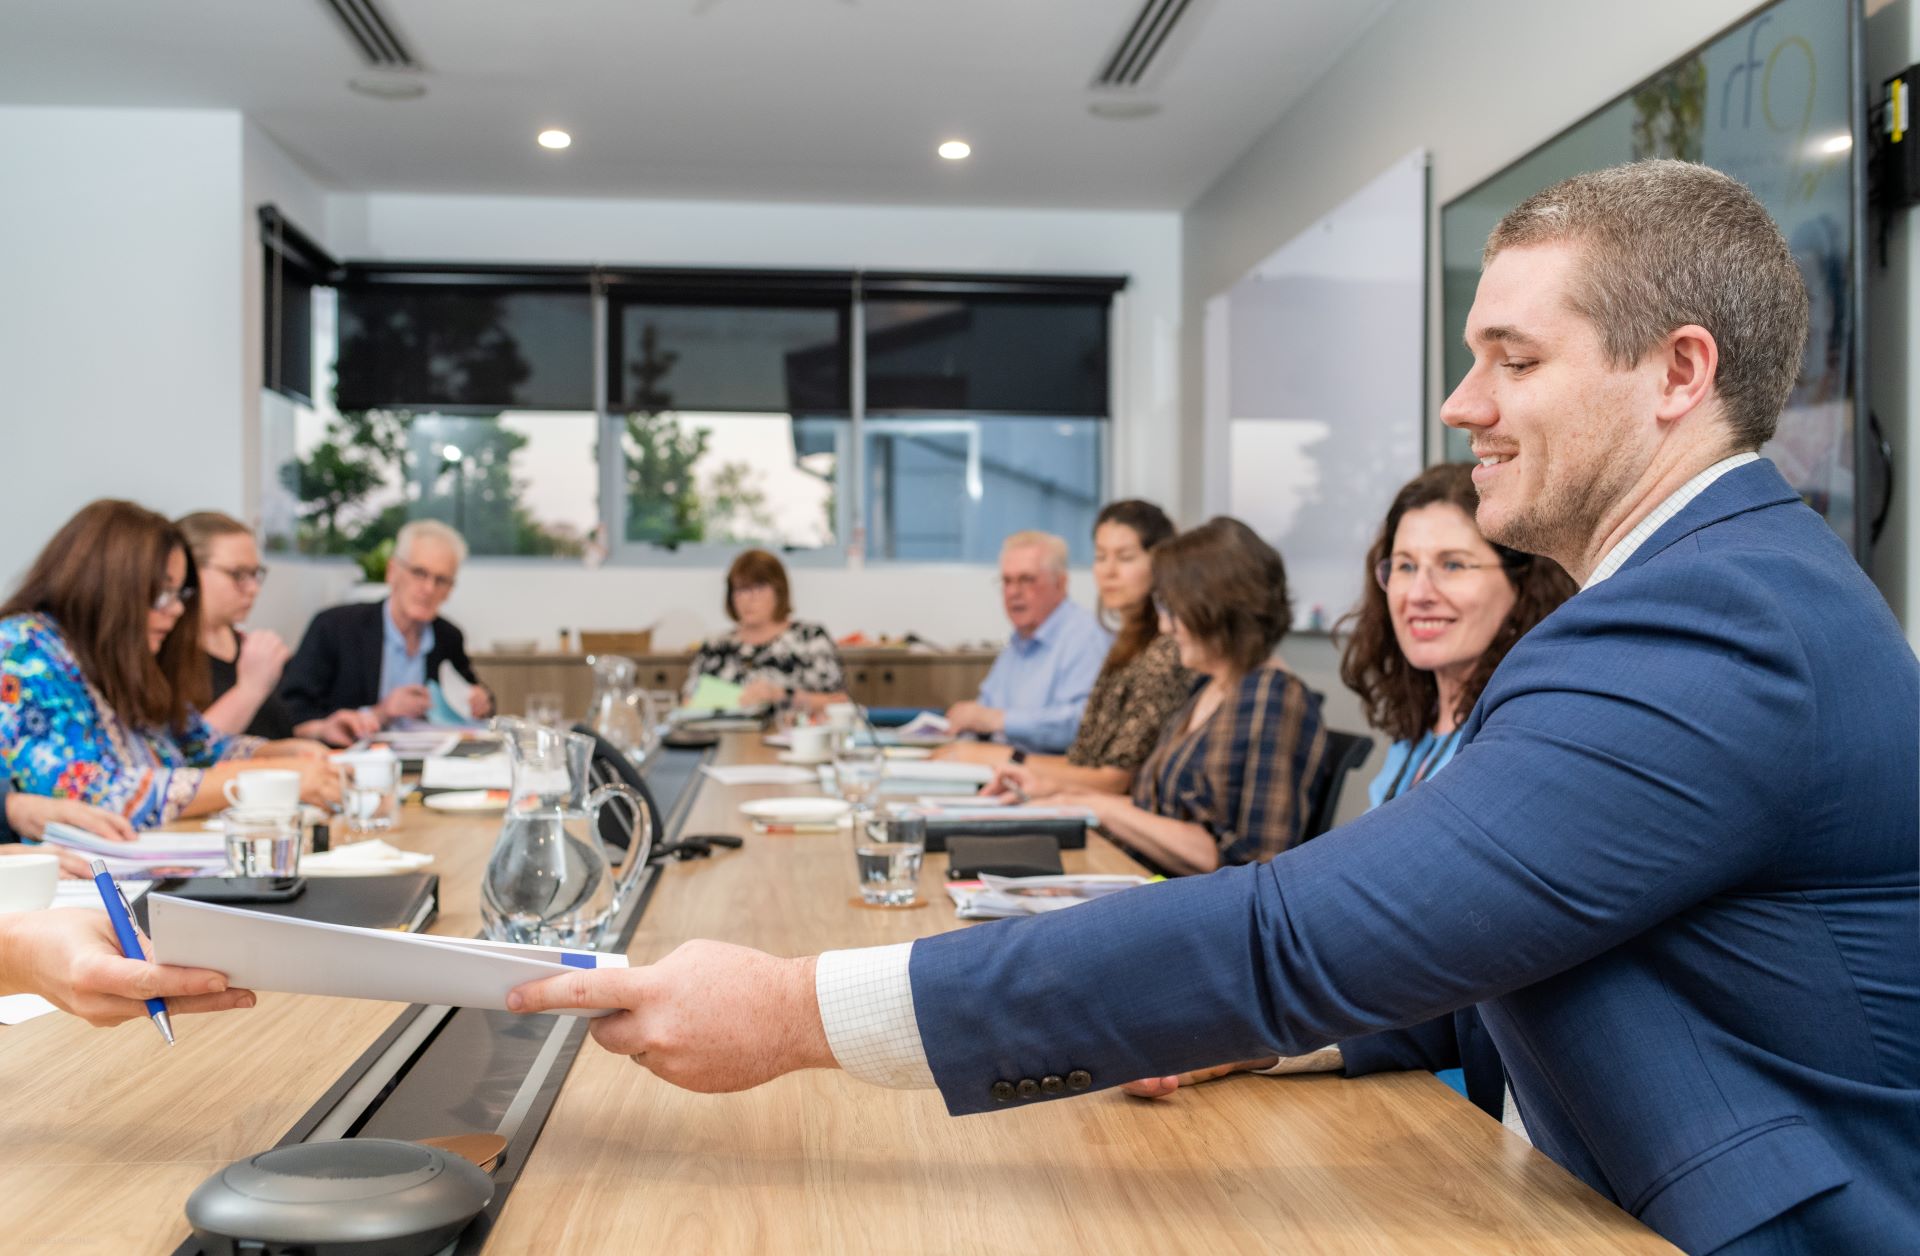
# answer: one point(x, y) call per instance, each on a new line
point(27, 881)
point(841, 715)
point(270, 789)
point(812, 741)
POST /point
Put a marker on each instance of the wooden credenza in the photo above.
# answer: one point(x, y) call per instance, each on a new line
point(876, 676)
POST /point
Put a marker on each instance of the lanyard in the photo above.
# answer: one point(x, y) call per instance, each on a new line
point(1434, 756)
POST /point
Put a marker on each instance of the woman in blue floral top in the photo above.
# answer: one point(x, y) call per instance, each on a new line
point(99, 648)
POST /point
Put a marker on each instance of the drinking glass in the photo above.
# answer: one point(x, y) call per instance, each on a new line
point(263, 843)
point(857, 769)
point(369, 792)
point(887, 849)
point(546, 709)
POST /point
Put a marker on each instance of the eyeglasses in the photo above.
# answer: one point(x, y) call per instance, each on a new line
point(1026, 580)
point(440, 583)
point(167, 599)
point(1444, 574)
point(255, 576)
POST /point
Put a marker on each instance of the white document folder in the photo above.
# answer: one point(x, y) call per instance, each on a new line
point(258, 951)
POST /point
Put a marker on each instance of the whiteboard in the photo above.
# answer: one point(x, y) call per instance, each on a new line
point(1314, 384)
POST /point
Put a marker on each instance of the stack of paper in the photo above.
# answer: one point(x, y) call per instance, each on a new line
point(364, 859)
point(147, 855)
point(758, 774)
point(991, 897)
point(281, 953)
point(471, 772)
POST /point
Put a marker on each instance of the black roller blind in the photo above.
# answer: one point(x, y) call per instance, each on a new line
point(465, 345)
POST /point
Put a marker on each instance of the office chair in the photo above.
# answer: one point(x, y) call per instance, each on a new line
point(1345, 752)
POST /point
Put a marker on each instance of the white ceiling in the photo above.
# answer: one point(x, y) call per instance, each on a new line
point(814, 100)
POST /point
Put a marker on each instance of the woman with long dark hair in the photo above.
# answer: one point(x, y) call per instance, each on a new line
point(99, 660)
point(1141, 683)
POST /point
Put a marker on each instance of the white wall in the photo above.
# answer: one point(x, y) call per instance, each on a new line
point(119, 315)
point(517, 599)
point(1479, 89)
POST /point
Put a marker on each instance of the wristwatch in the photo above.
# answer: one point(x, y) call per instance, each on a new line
point(1018, 756)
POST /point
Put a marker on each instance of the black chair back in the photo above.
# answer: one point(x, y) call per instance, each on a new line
point(610, 767)
point(1345, 752)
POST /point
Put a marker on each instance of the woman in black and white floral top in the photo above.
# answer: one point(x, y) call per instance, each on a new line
point(771, 655)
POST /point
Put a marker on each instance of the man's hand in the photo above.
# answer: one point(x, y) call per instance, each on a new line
point(710, 1017)
point(1161, 1087)
point(29, 814)
point(408, 702)
point(481, 703)
point(1019, 783)
point(263, 656)
point(70, 958)
point(971, 717)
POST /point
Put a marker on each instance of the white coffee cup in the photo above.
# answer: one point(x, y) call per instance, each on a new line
point(27, 881)
point(841, 715)
point(271, 789)
point(811, 741)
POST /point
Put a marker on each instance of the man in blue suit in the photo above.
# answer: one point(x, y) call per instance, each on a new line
point(1676, 864)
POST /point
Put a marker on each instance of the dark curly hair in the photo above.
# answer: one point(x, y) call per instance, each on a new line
point(1228, 587)
point(1139, 626)
point(1401, 700)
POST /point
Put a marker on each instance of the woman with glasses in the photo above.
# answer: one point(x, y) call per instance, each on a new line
point(1441, 608)
point(773, 657)
point(100, 658)
point(244, 667)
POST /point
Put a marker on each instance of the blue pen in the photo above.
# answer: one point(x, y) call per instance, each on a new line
point(122, 917)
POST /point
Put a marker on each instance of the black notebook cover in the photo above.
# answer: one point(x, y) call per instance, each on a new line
point(1071, 834)
point(407, 902)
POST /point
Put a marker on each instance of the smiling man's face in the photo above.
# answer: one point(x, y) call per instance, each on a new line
point(1562, 434)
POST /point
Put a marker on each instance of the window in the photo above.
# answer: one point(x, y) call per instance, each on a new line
point(553, 411)
point(292, 265)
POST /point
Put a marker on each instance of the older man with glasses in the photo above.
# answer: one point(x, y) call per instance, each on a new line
point(380, 656)
point(1033, 696)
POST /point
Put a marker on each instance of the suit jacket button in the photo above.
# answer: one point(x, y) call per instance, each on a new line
point(1079, 1079)
point(1027, 1088)
point(1003, 1092)
point(1053, 1084)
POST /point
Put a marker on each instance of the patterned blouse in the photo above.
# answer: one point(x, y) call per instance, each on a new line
point(1129, 706)
point(59, 737)
point(1245, 774)
point(801, 658)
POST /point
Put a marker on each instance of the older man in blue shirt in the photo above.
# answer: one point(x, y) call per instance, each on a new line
point(1033, 696)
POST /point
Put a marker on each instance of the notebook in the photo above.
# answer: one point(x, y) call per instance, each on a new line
point(408, 902)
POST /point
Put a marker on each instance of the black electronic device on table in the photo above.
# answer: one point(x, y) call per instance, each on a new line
point(235, 890)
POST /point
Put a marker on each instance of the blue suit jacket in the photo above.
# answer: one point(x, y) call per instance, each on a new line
point(1676, 864)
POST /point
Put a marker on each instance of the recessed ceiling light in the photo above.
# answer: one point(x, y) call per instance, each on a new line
point(1837, 144)
point(554, 138)
point(1123, 110)
point(387, 86)
point(955, 150)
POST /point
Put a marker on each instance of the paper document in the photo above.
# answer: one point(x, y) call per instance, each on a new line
point(280, 953)
point(456, 693)
point(491, 771)
point(364, 859)
point(925, 724)
point(15, 1008)
point(993, 897)
point(710, 693)
point(413, 743)
point(759, 774)
point(155, 847)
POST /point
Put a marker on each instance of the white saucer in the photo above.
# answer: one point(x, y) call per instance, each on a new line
point(804, 760)
point(796, 810)
point(468, 800)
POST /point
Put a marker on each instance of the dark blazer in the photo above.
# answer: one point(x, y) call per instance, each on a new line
point(338, 662)
point(1674, 864)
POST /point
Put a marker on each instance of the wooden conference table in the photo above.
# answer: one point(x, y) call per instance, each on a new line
point(104, 1134)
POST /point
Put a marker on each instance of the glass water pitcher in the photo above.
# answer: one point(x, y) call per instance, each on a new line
point(621, 711)
point(549, 881)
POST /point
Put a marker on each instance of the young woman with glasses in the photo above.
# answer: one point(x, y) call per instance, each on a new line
point(243, 668)
point(100, 660)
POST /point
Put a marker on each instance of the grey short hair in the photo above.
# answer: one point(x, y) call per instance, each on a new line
point(1054, 547)
point(1667, 243)
point(429, 530)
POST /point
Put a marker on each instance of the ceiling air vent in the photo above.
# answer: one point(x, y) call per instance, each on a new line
point(1142, 46)
point(373, 34)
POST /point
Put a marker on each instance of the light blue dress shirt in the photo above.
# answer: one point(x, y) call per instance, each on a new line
point(1042, 681)
point(397, 667)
